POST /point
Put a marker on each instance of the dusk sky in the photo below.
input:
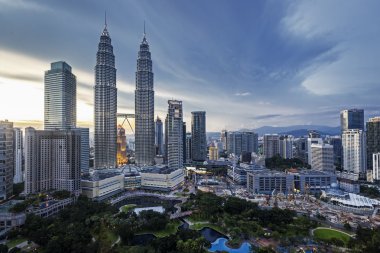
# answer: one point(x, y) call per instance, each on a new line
point(246, 63)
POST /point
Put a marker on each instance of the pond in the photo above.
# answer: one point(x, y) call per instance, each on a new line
point(220, 245)
point(211, 235)
point(143, 239)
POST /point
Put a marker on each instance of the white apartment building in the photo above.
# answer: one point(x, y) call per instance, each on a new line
point(322, 157)
point(18, 154)
point(354, 152)
point(376, 166)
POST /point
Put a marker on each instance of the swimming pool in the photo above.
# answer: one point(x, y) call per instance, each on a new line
point(220, 244)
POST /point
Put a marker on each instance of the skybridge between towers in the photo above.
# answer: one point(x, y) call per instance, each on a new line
point(126, 117)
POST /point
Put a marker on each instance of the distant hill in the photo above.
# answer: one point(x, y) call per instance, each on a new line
point(298, 130)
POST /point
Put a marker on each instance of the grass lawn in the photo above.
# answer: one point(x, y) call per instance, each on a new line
point(195, 219)
point(327, 233)
point(14, 242)
point(128, 208)
point(171, 229)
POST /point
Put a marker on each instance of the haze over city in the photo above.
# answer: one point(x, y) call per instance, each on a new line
point(246, 63)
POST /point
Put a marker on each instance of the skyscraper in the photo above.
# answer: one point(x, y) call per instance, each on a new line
point(271, 145)
point(352, 119)
point(188, 148)
point(354, 153)
point(239, 143)
point(105, 104)
point(6, 159)
point(184, 141)
point(198, 132)
point(175, 132)
point(373, 139)
point(144, 107)
point(52, 160)
point(223, 139)
point(286, 146)
point(322, 157)
point(84, 149)
point(159, 137)
point(18, 156)
point(60, 97)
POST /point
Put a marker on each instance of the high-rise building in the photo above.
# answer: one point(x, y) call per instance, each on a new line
point(354, 152)
point(223, 139)
point(301, 149)
point(174, 131)
point(376, 166)
point(184, 141)
point(18, 152)
point(121, 146)
point(239, 143)
point(60, 97)
point(84, 149)
point(144, 107)
point(311, 141)
point(352, 119)
point(6, 159)
point(105, 104)
point(213, 153)
point(286, 146)
point(198, 132)
point(373, 139)
point(52, 160)
point(314, 134)
point(336, 142)
point(322, 157)
point(271, 145)
point(159, 137)
point(188, 148)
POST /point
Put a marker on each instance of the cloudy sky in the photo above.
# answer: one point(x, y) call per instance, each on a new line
point(246, 63)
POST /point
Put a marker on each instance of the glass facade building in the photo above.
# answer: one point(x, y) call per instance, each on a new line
point(198, 132)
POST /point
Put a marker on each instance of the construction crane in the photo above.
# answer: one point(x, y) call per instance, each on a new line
point(126, 116)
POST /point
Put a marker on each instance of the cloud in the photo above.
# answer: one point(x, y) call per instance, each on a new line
point(267, 116)
point(242, 94)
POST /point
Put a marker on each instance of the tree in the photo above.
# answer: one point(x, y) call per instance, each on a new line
point(347, 226)
point(3, 248)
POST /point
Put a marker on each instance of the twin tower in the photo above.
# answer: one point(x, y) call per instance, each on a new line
point(106, 105)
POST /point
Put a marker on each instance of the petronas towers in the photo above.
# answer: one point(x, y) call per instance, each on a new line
point(106, 106)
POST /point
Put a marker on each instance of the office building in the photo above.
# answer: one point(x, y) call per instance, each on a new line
point(52, 160)
point(184, 141)
point(105, 104)
point(286, 146)
point(18, 151)
point(188, 148)
point(60, 97)
point(336, 142)
point(301, 149)
point(376, 166)
point(271, 145)
point(240, 143)
point(354, 152)
point(6, 159)
point(121, 146)
point(373, 139)
point(84, 149)
point(352, 119)
point(161, 178)
point(159, 137)
point(322, 157)
point(175, 140)
point(198, 132)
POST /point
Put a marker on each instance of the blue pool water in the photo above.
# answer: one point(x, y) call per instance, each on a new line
point(220, 244)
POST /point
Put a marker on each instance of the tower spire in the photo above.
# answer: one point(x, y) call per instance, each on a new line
point(144, 29)
point(105, 18)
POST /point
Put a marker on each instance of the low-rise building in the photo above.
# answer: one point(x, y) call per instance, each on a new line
point(161, 178)
point(102, 184)
point(9, 220)
point(132, 177)
point(50, 207)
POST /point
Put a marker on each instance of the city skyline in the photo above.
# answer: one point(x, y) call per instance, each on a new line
point(302, 64)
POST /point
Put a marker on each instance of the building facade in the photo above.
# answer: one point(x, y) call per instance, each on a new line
point(322, 157)
point(354, 152)
point(271, 145)
point(6, 159)
point(198, 132)
point(105, 104)
point(286, 146)
point(121, 146)
point(188, 148)
point(52, 160)
point(159, 137)
point(60, 97)
point(213, 153)
point(84, 149)
point(373, 139)
point(312, 141)
point(239, 143)
point(18, 151)
point(376, 166)
point(352, 119)
point(175, 139)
